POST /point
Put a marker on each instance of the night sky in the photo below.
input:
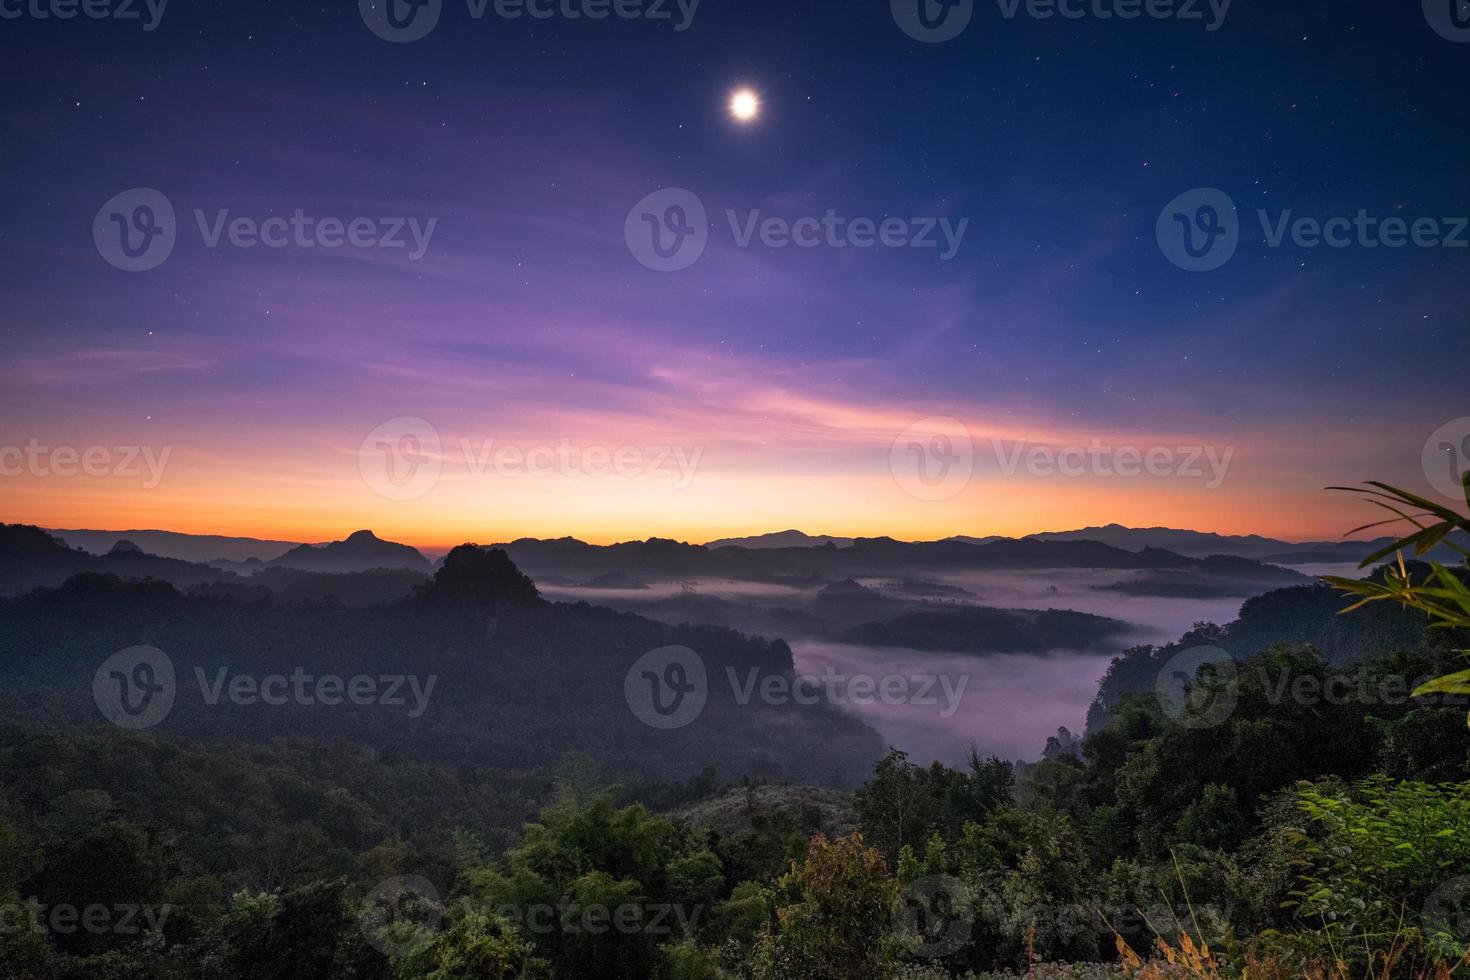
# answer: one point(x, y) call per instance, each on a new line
point(789, 373)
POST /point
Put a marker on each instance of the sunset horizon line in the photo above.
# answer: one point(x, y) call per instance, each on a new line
point(610, 539)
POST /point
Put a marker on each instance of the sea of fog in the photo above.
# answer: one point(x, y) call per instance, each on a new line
point(1003, 704)
point(1009, 703)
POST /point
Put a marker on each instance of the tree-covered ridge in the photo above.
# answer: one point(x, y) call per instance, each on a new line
point(491, 674)
point(1275, 798)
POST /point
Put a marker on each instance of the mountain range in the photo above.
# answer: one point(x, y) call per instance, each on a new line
point(361, 551)
point(1190, 544)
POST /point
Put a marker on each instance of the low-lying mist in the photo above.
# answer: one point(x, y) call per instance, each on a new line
point(1005, 703)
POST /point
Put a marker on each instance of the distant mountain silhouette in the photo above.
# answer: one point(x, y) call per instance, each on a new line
point(1201, 544)
point(864, 558)
point(30, 558)
point(518, 682)
point(481, 576)
point(171, 544)
point(781, 539)
point(1190, 544)
point(844, 589)
point(360, 552)
point(981, 630)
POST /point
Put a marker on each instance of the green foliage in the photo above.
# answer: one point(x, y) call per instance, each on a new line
point(308, 933)
point(904, 803)
point(834, 916)
point(1442, 594)
point(1374, 855)
point(478, 946)
point(598, 890)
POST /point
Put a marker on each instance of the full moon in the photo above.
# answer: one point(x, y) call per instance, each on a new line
point(745, 105)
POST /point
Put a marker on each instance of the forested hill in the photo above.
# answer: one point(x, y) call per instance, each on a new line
point(1307, 615)
point(483, 672)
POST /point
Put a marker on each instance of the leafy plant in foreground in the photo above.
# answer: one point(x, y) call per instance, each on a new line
point(1442, 594)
